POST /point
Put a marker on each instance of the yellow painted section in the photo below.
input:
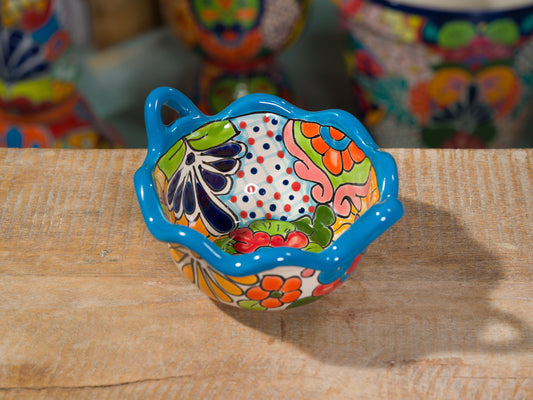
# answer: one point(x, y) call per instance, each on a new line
point(202, 284)
point(227, 285)
point(245, 280)
point(188, 272)
point(220, 293)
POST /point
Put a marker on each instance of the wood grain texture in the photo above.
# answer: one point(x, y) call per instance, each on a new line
point(91, 306)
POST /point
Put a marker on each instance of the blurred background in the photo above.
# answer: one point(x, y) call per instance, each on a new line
point(123, 49)
point(131, 51)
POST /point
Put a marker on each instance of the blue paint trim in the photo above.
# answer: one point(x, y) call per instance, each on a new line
point(340, 253)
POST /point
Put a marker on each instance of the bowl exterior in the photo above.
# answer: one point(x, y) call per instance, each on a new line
point(275, 289)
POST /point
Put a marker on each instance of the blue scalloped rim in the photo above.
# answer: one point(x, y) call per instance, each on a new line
point(351, 243)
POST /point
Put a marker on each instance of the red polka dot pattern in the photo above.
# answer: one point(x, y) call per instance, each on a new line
point(278, 193)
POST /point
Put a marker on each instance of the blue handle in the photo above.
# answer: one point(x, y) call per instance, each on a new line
point(157, 131)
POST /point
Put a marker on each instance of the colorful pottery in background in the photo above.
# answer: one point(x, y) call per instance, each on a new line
point(440, 79)
point(219, 86)
point(70, 124)
point(264, 206)
point(39, 104)
point(238, 40)
point(236, 31)
point(36, 69)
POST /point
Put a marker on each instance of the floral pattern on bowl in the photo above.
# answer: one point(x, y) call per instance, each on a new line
point(265, 206)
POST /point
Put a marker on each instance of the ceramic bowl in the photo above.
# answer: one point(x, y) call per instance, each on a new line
point(265, 206)
point(442, 73)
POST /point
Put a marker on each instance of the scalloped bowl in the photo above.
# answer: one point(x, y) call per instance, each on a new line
point(264, 206)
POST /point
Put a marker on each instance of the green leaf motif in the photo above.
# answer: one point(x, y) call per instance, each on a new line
point(251, 305)
point(272, 227)
point(172, 159)
point(504, 31)
point(313, 248)
point(303, 301)
point(319, 228)
point(211, 135)
point(456, 34)
point(226, 244)
point(305, 225)
point(204, 138)
point(324, 216)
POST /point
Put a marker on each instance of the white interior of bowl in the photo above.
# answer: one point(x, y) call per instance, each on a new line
point(466, 5)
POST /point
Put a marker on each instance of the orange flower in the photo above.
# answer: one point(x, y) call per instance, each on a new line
point(335, 161)
point(275, 291)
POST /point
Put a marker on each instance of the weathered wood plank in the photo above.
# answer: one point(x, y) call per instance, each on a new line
point(91, 306)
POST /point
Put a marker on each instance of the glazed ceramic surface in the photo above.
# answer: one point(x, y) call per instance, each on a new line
point(236, 31)
point(36, 70)
point(439, 78)
point(70, 124)
point(265, 206)
point(39, 103)
point(217, 87)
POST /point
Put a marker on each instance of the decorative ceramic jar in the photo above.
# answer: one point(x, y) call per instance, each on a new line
point(39, 103)
point(236, 32)
point(70, 124)
point(442, 73)
point(238, 40)
point(264, 206)
point(218, 86)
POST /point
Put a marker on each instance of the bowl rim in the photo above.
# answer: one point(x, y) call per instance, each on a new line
point(372, 223)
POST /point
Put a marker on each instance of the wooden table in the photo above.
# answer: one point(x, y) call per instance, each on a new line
point(91, 306)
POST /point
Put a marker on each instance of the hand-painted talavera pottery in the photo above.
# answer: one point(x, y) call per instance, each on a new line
point(238, 40)
point(442, 73)
point(37, 69)
point(236, 32)
point(217, 87)
point(39, 103)
point(265, 206)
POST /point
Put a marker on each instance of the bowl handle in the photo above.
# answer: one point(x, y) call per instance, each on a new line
point(155, 127)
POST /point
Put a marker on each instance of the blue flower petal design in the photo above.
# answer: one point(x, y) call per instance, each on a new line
point(225, 150)
point(214, 180)
point(20, 57)
point(188, 198)
point(199, 179)
point(224, 165)
point(217, 217)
